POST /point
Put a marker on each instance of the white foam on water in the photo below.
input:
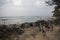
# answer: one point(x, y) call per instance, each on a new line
point(14, 20)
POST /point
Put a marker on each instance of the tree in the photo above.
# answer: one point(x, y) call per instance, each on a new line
point(56, 12)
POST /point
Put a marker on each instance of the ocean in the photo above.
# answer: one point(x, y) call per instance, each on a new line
point(21, 19)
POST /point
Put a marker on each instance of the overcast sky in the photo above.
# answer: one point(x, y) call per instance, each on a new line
point(25, 8)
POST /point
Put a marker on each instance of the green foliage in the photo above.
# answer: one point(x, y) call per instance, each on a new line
point(56, 12)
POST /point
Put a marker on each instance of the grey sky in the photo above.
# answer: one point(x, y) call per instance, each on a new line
point(25, 8)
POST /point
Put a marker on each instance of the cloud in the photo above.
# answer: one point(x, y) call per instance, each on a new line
point(24, 8)
point(39, 2)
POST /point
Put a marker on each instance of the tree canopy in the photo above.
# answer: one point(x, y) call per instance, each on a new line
point(56, 12)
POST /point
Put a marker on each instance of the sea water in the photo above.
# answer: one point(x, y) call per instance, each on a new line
point(21, 19)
